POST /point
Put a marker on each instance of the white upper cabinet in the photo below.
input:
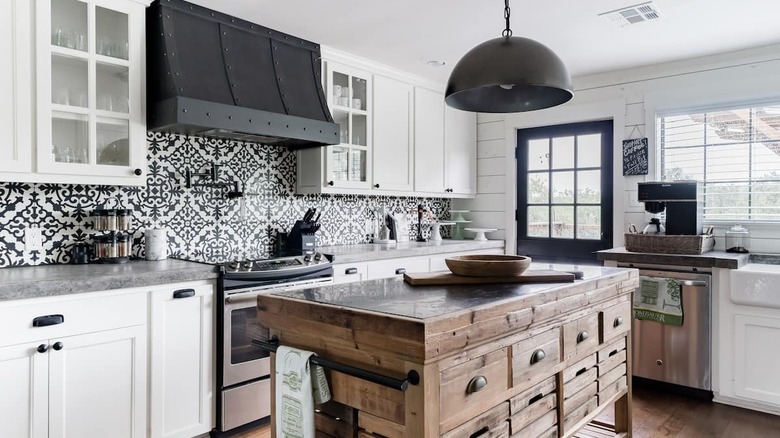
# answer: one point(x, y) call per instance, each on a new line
point(90, 123)
point(15, 87)
point(393, 155)
point(429, 175)
point(460, 142)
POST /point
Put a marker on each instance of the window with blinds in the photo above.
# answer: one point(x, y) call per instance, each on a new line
point(735, 153)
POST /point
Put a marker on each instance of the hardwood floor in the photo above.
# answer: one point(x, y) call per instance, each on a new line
point(660, 414)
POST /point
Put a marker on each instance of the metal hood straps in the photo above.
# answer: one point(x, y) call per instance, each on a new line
point(214, 75)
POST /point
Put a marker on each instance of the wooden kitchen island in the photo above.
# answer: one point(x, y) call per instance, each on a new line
point(501, 360)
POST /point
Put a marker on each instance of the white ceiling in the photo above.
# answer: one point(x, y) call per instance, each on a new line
point(407, 33)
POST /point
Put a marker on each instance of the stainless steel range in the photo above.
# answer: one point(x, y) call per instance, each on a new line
point(243, 370)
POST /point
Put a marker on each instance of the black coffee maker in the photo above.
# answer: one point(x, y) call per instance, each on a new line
point(682, 201)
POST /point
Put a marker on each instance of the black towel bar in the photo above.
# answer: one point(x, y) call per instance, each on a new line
point(412, 377)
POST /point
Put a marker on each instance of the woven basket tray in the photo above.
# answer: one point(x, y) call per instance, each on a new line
point(669, 244)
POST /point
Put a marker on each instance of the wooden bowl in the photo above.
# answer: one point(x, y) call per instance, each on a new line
point(488, 265)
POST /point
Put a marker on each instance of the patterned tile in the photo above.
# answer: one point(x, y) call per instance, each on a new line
point(204, 224)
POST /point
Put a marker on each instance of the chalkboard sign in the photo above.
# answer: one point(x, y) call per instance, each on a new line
point(635, 156)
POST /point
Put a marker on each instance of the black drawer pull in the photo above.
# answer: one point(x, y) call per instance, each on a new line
point(350, 271)
point(400, 271)
point(537, 356)
point(583, 370)
point(480, 432)
point(612, 353)
point(535, 399)
point(618, 322)
point(476, 384)
point(43, 321)
point(184, 293)
point(582, 336)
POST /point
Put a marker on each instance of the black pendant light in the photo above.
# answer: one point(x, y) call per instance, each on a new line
point(508, 74)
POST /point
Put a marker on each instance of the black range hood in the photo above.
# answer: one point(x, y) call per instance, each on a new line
point(213, 75)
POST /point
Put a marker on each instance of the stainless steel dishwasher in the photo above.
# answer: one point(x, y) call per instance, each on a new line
point(678, 354)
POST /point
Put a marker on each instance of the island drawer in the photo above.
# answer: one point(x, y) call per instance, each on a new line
point(571, 419)
point(580, 384)
point(580, 337)
point(545, 426)
point(490, 424)
point(614, 320)
point(535, 355)
point(611, 349)
point(466, 388)
point(528, 406)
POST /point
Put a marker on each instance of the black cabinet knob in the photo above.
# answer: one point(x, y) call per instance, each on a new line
point(57, 346)
point(42, 348)
point(330, 183)
point(138, 172)
point(376, 186)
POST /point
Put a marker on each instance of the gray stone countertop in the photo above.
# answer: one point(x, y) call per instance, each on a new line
point(712, 259)
point(394, 296)
point(366, 252)
point(52, 280)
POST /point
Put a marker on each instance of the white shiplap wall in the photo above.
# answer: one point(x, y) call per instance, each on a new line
point(632, 98)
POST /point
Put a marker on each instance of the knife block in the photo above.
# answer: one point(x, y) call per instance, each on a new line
point(301, 240)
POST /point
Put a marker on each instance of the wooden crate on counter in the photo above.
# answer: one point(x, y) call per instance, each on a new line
point(664, 244)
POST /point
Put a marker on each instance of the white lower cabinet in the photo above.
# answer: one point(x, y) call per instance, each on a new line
point(394, 267)
point(350, 272)
point(181, 338)
point(75, 386)
point(755, 362)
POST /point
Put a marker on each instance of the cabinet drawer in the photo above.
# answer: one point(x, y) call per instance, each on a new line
point(608, 391)
point(468, 387)
point(535, 355)
point(580, 384)
point(580, 337)
point(615, 320)
point(529, 406)
point(80, 315)
point(545, 426)
point(571, 419)
point(611, 349)
point(490, 424)
point(394, 267)
point(350, 273)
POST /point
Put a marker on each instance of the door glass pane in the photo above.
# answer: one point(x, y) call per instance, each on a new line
point(538, 221)
point(589, 150)
point(589, 223)
point(340, 89)
point(342, 118)
point(539, 154)
point(113, 145)
point(562, 187)
point(359, 129)
point(563, 152)
point(589, 187)
point(358, 90)
point(357, 165)
point(70, 138)
point(538, 188)
point(69, 24)
point(340, 158)
point(112, 88)
point(69, 81)
point(563, 222)
point(243, 328)
point(111, 29)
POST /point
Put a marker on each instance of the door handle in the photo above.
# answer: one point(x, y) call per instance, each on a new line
point(43, 321)
point(184, 293)
point(350, 271)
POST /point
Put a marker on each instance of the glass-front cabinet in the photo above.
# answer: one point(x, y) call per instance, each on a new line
point(89, 81)
point(349, 99)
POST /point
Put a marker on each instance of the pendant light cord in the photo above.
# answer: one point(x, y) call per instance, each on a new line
point(507, 32)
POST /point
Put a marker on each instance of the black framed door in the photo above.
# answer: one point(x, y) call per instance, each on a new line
point(564, 191)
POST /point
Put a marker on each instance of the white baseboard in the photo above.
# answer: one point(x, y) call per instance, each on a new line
point(746, 404)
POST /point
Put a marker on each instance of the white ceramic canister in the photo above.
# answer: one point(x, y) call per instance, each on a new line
point(156, 243)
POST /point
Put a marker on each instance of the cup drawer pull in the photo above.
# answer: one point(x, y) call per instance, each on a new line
point(44, 321)
point(350, 271)
point(537, 356)
point(582, 336)
point(618, 322)
point(476, 384)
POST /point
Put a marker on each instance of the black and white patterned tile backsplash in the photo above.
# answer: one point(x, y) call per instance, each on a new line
point(204, 224)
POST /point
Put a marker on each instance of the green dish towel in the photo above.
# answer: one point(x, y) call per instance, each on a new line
point(659, 300)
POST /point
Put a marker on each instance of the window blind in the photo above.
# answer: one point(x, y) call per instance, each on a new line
point(734, 153)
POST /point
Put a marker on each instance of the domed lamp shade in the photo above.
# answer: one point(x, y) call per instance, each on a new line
point(508, 74)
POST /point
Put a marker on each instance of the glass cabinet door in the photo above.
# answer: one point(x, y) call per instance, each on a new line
point(349, 94)
point(92, 69)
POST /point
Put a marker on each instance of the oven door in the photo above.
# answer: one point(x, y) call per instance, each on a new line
point(242, 360)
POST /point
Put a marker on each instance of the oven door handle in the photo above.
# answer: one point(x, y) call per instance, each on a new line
point(241, 299)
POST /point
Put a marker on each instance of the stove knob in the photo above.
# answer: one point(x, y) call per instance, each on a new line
point(317, 256)
point(234, 265)
point(247, 265)
point(307, 258)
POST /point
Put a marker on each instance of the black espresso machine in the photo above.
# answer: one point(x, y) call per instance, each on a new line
point(682, 201)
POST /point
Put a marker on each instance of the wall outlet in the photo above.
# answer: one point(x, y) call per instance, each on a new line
point(33, 239)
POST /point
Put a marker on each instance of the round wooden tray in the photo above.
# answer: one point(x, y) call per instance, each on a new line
point(488, 265)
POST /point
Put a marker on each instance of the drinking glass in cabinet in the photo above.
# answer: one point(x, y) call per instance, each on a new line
point(112, 34)
point(112, 87)
point(71, 138)
point(113, 146)
point(69, 81)
point(69, 24)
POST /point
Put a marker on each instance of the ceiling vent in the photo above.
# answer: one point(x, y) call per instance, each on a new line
point(633, 14)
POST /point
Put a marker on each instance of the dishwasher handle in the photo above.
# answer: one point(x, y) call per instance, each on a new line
point(694, 283)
